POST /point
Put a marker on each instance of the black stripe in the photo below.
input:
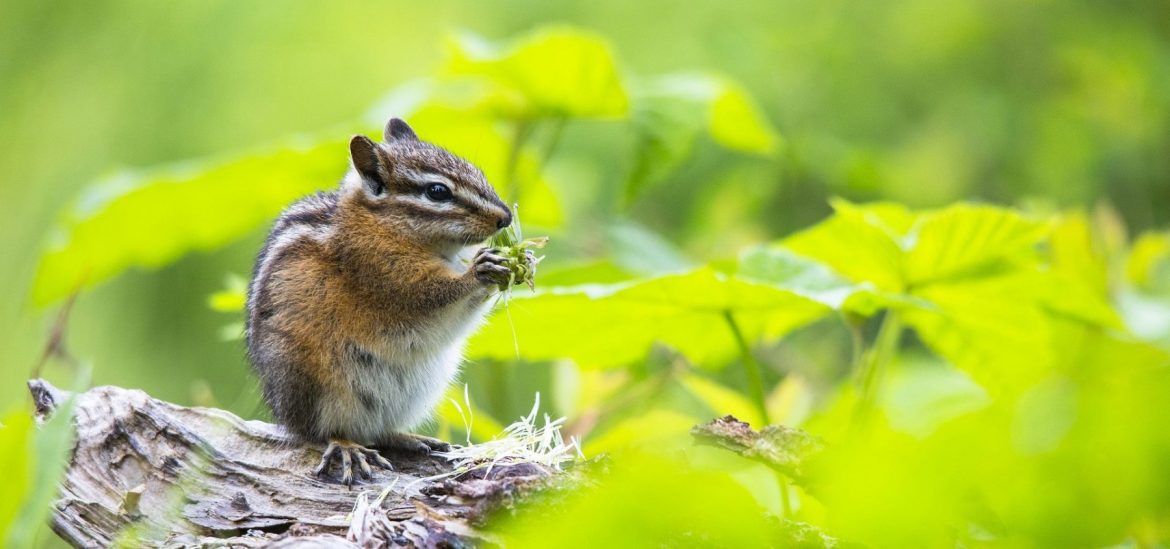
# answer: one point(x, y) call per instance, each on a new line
point(489, 195)
point(423, 212)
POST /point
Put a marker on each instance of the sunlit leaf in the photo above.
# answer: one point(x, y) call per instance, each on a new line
point(857, 242)
point(232, 297)
point(37, 455)
point(721, 400)
point(1076, 253)
point(615, 324)
point(639, 250)
point(15, 434)
point(594, 272)
point(780, 267)
point(736, 121)
point(922, 395)
point(993, 328)
point(553, 71)
point(665, 129)
point(656, 429)
point(962, 238)
point(150, 218)
point(1148, 263)
point(790, 400)
point(647, 501)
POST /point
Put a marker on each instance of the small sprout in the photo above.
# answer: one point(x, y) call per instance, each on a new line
point(518, 254)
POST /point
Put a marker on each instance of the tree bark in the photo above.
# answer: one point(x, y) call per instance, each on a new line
point(792, 452)
point(150, 473)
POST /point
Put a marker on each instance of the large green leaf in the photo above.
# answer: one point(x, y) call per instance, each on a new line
point(690, 507)
point(15, 433)
point(149, 218)
point(554, 71)
point(665, 129)
point(669, 112)
point(721, 400)
point(615, 324)
point(779, 266)
point(973, 281)
point(861, 243)
point(964, 238)
point(994, 328)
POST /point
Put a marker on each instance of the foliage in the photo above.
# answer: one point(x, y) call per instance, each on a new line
point(989, 375)
point(35, 457)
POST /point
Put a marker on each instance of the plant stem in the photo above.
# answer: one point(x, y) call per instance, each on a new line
point(558, 124)
point(885, 346)
point(521, 131)
point(751, 368)
point(785, 499)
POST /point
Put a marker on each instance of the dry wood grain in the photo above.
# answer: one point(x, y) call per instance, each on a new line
point(147, 472)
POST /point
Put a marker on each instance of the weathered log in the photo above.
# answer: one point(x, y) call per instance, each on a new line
point(787, 450)
point(147, 472)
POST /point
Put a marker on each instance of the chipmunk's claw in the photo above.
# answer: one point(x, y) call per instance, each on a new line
point(418, 444)
point(355, 459)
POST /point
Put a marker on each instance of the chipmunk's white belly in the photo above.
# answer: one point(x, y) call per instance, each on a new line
point(407, 376)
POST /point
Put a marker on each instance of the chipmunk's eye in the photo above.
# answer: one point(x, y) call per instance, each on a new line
point(438, 192)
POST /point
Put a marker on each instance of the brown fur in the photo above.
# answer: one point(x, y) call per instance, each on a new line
point(346, 272)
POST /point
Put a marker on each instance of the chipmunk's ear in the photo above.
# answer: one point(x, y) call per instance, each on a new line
point(397, 128)
point(370, 163)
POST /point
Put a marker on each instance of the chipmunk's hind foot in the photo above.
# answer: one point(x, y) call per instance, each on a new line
point(354, 460)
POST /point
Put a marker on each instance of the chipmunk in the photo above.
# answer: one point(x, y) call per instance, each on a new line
point(362, 298)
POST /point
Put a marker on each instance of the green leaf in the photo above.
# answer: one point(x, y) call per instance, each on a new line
point(670, 111)
point(35, 457)
point(232, 297)
point(964, 238)
point(737, 123)
point(688, 507)
point(971, 280)
point(639, 250)
point(50, 449)
point(14, 441)
point(150, 218)
point(721, 400)
point(602, 326)
point(994, 328)
point(924, 394)
point(1148, 263)
point(862, 243)
point(782, 268)
point(656, 428)
point(593, 272)
point(553, 71)
point(665, 129)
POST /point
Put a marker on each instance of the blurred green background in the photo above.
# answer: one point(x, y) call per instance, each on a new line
point(917, 101)
point(1044, 105)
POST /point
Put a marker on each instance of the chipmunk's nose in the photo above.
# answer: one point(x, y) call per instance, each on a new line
point(504, 221)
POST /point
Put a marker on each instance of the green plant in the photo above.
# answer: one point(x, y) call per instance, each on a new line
point(1006, 370)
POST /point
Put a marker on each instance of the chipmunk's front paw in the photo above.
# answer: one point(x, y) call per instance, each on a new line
point(354, 460)
point(490, 268)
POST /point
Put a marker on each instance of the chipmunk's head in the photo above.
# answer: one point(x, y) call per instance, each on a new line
point(409, 184)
